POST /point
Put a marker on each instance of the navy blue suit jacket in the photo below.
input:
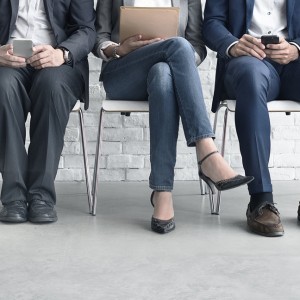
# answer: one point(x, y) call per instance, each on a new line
point(72, 22)
point(225, 21)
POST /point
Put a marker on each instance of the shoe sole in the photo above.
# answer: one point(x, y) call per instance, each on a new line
point(13, 220)
point(42, 220)
point(162, 231)
point(270, 234)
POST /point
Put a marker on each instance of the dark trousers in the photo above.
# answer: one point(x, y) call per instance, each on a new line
point(49, 96)
point(253, 83)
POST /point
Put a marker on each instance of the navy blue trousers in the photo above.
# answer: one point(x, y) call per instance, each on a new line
point(253, 83)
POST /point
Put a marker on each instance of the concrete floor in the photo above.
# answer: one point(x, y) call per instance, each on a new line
point(115, 256)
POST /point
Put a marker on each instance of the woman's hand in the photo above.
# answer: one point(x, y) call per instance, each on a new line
point(133, 43)
point(129, 45)
point(250, 46)
point(282, 53)
point(7, 59)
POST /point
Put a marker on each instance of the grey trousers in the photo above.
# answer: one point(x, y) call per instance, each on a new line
point(49, 96)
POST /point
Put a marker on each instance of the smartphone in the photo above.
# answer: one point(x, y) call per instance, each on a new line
point(269, 39)
point(22, 47)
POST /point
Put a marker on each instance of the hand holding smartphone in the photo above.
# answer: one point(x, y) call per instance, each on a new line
point(269, 39)
point(22, 47)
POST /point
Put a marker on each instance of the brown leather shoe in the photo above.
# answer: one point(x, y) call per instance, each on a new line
point(265, 220)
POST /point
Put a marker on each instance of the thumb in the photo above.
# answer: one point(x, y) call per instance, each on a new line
point(138, 37)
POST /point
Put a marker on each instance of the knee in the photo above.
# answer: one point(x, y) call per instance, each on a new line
point(253, 71)
point(48, 89)
point(180, 43)
point(160, 75)
point(47, 83)
point(9, 86)
point(180, 46)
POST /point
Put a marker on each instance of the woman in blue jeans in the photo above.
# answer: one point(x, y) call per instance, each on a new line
point(164, 72)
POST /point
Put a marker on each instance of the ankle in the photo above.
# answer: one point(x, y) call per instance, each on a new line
point(163, 205)
point(259, 198)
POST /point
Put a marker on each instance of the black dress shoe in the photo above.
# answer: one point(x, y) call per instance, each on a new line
point(41, 212)
point(14, 212)
point(299, 212)
point(161, 226)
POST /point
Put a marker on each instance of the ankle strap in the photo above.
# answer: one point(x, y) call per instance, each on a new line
point(205, 157)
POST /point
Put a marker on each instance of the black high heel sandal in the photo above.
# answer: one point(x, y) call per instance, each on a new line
point(161, 226)
point(225, 184)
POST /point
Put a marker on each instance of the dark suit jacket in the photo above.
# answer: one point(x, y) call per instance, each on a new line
point(72, 22)
point(225, 21)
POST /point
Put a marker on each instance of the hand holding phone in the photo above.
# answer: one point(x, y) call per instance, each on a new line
point(269, 39)
point(22, 47)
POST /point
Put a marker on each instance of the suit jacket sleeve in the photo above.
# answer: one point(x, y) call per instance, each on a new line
point(193, 32)
point(215, 33)
point(80, 29)
point(104, 24)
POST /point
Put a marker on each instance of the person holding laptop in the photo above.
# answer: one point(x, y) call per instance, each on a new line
point(163, 71)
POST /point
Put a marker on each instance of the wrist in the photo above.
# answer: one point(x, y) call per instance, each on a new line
point(115, 52)
point(60, 55)
point(66, 56)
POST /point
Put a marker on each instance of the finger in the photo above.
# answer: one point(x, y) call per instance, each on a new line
point(13, 64)
point(251, 50)
point(15, 59)
point(42, 63)
point(7, 47)
point(38, 56)
point(39, 48)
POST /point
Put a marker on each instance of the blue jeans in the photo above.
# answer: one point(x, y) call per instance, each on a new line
point(253, 83)
point(165, 73)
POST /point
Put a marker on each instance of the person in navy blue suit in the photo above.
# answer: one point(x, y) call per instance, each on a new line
point(46, 84)
point(254, 73)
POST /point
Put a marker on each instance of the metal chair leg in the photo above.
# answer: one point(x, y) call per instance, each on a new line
point(85, 159)
point(215, 199)
point(97, 157)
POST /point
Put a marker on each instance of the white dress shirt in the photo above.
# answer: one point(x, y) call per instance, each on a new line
point(269, 17)
point(153, 3)
point(32, 23)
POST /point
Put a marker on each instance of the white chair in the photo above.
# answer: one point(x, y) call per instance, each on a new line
point(286, 106)
point(125, 107)
point(77, 109)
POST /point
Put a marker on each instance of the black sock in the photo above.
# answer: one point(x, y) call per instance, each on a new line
point(259, 198)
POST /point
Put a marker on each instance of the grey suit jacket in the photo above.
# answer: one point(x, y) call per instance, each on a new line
point(190, 24)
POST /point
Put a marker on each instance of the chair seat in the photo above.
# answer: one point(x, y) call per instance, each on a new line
point(76, 106)
point(273, 106)
point(125, 106)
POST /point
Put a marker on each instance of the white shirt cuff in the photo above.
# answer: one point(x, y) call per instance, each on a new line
point(227, 51)
point(295, 44)
point(102, 47)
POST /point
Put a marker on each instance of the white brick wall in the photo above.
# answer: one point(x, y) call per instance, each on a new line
point(125, 149)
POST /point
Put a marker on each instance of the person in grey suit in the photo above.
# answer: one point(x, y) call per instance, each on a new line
point(47, 85)
point(163, 71)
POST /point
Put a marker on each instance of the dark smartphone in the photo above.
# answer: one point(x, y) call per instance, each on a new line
point(269, 39)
